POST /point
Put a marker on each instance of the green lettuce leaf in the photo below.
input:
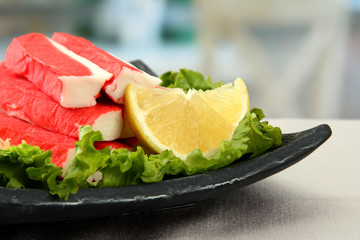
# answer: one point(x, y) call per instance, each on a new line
point(186, 80)
point(157, 165)
point(86, 162)
point(123, 168)
point(261, 136)
point(26, 166)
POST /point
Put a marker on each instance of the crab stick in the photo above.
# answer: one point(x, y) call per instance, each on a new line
point(123, 72)
point(61, 146)
point(69, 79)
point(21, 99)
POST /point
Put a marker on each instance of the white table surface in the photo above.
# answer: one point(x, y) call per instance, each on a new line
point(317, 198)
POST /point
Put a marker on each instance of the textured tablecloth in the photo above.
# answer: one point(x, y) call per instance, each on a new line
point(317, 198)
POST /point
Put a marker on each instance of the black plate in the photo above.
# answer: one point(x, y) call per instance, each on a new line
point(35, 205)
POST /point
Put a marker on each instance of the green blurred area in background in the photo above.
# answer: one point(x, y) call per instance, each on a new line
point(81, 17)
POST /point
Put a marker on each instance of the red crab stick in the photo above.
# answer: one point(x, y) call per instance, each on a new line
point(123, 72)
point(69, 79)
point(61, 146)
point(21, 99)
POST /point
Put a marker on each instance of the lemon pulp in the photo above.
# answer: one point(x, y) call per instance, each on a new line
point(164, 118)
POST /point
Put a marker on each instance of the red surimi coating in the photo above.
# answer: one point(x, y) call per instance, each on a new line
point(112, 144)
point(21, 99)
point(123, 72)
point(17, 130)
point(69, 79)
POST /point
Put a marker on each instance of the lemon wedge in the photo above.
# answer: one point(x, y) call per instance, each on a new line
point(169, 118)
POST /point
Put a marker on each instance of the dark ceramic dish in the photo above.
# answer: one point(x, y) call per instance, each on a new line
point(36, 205)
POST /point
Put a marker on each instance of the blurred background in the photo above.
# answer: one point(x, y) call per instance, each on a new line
point(299, 58)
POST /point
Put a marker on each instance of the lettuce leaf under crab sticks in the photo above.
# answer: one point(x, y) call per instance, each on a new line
point(119, 167)
point(26, 166)
point(86, 162)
